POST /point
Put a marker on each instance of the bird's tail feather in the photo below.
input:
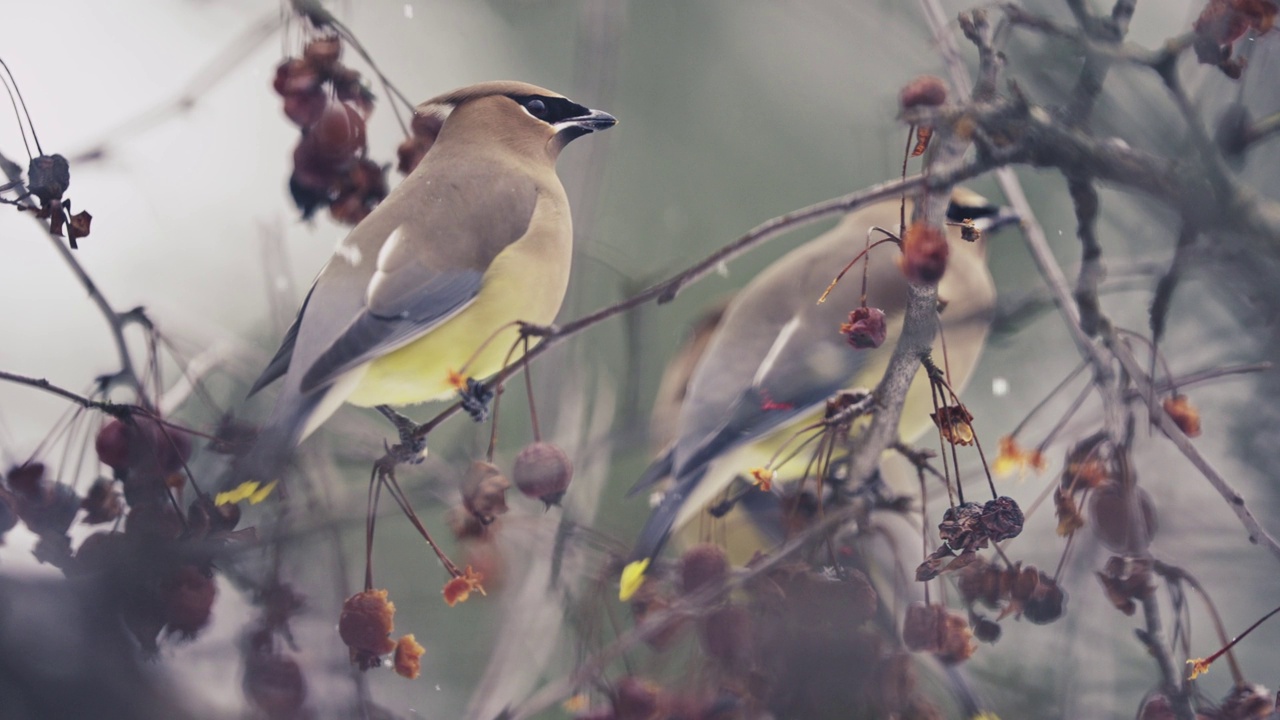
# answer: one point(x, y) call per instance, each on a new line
point(656, 530)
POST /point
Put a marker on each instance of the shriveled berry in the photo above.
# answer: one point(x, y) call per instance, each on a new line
point(103, 503)
point(923, 90)
point(27, 479)
point(322, 52)
point(274, 684)
point(484, 491)
point(365, 626)
point(542, 471)
point(924, 253)
point(703, 565)
point(865, 329)
point(295, 76)
point(188, 600)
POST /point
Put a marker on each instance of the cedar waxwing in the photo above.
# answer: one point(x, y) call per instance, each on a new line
point(777, 355)
point(476, 237)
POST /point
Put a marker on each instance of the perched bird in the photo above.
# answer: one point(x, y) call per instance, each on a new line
point(776, 356)
point(476, 237)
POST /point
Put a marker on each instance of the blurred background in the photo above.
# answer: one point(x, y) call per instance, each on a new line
point(732, 112)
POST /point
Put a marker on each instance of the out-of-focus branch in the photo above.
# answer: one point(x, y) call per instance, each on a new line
point(115, 321)
point(239, 50)
point(1257, 535)
point(668, 289)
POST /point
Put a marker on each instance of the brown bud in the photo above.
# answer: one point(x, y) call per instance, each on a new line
point(924, 253)
point(542, 471)
point(924, 90)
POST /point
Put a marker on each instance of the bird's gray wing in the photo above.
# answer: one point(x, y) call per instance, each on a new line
point(431, 265)
point(279, 364)
point(778, 353)
point(375, 332)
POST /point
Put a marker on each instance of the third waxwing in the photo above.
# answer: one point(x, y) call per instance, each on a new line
point(777, 355)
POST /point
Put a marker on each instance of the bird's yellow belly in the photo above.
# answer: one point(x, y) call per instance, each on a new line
point(532, 277)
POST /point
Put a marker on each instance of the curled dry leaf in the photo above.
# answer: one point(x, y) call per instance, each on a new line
point(955, 423)
point(408, 657)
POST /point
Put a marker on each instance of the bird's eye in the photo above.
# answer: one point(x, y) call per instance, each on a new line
point(536, 107)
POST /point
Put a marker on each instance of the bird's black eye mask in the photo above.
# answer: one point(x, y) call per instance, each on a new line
point(550, 110)
point(957, 212)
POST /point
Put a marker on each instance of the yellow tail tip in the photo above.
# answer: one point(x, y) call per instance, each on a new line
point(632, 579)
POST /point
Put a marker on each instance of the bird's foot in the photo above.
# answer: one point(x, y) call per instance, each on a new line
point(412, 447)
point(475, 399)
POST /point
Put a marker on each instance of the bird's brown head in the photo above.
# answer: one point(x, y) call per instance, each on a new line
point(524, 117)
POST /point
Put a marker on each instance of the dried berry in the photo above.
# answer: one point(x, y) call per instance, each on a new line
point(274, 684)
point(408, 657)
point(295, 76)
point(103, 503)
point(727, 637)
point(924, 253)
point(1126, 580)
point(1247, 702)
point(484, 491)
point(865, 328)
point(8, 517)
point(1124, 522)
point(322, 52)
point(1001, 519)
point(1046, 603)
point(961, 527)
point(703, 565)
point(635, 699)
point(27, 479)
point(359, 191)
point(48, 177)
point(305, 108)
point(51, 511)
point(986, 630)
point(188, 600)
point(935, 629)
point(143, 443)
point(460, 587)
point(365, 626)
point(542, 471)
point(924, 90)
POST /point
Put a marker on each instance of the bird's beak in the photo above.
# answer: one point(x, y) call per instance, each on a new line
point(593, 121)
